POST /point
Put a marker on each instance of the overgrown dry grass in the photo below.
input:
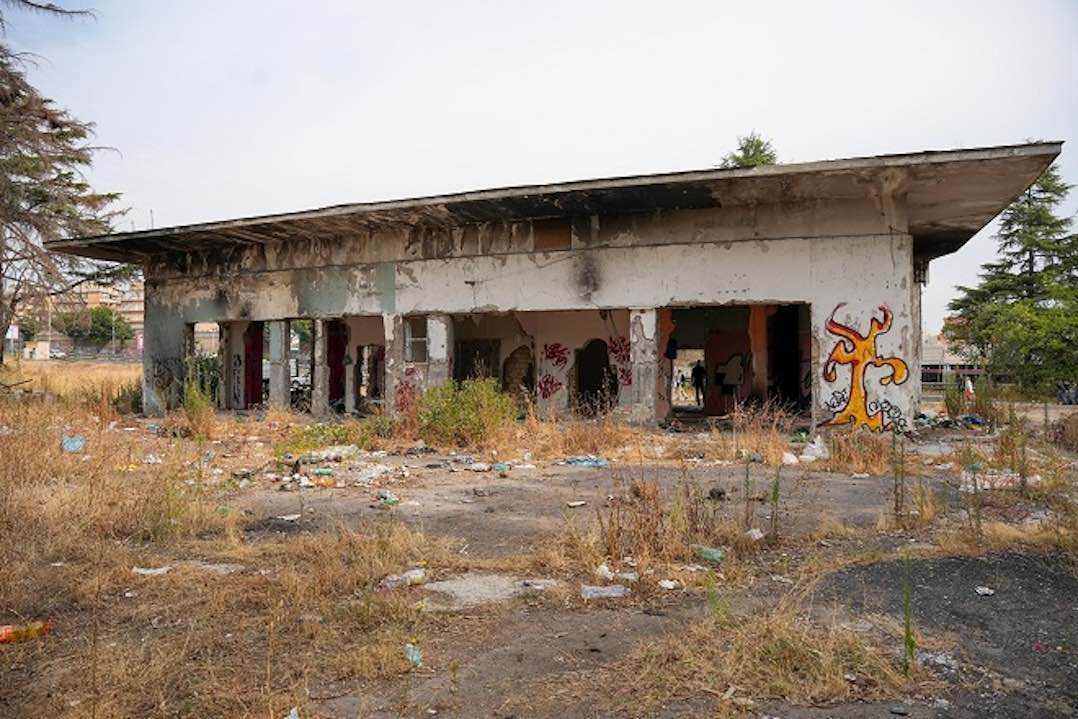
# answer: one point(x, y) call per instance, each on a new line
point(302, 611)
point(763, 430)
point(75, 381)
point(779, 654)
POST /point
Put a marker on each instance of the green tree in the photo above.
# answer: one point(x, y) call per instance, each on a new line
point(1021, 320)
point(28, 328)
point(107, 325)
point(752, 150)
point(44, 155)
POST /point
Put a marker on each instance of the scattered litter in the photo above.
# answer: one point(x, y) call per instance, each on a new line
point(899, 710)
point(294, 714)
point(73, 443)
point(288, 517)
point(576, 503)
point(413, 655)
point(605, 573)
point(693, 568)
point(501, 467)
point(57, 564)
point(984, 591)
point(538, 585)
point(860, 475)
point(668, 584)
point(587, 460)
point(151, 571)
point(755, 534)
point(151, 459)
point(816, 449)
point(708, 554)
point(221, 568)
point(130, 594)
point(780, 579)
point(613, 591)
point(789, 458)
point(323, 472)
point(11, 633)
point(478, 467)
point(992, 479)
point(411, 578)
point(717, 494)
point(387, 498)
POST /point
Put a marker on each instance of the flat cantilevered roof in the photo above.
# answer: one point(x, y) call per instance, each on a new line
point(950, 195)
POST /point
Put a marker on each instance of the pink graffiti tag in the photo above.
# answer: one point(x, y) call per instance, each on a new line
point(625, 375)
point(549, 386)
point(557, 354)
point(619, 350)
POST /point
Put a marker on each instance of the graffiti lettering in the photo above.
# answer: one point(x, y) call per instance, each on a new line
point(859, 352)
point(557, 354)
point(549, 386)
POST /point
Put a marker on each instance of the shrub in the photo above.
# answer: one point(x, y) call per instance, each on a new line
point(198, 411)
point(316, 435)
point(128, 399)
point(952, 400)
point(1068, 432)
point(465, 414)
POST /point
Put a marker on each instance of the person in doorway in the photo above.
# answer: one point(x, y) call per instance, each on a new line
point(699, 378)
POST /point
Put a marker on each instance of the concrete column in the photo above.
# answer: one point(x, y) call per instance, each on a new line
point(393, 327)
point(319, 371)
point(162, 357)
point(758, 343)
point(439, 349)
point(644, 353)
point(353, 356)
point(280, 386)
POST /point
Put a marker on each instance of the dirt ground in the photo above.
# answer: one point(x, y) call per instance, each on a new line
point(507, 634)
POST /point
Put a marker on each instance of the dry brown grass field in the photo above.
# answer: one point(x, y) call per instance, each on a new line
point(265, 594)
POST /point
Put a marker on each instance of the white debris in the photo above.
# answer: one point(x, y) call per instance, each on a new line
point(789, 458)
point(984, 591)
point(613, 591)
point(151, 459)
point(816, 449)
point(754, 534)
point(860, 475)
point(575, 504)
point(288, 517)
point(668, 584)
point(780, 579)
point(411, 578)
point(151, 571)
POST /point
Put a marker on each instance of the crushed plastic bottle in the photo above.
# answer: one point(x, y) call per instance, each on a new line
point(708, 554)
point(414, 655)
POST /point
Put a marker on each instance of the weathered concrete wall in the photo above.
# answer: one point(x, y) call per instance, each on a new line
point(845, 258)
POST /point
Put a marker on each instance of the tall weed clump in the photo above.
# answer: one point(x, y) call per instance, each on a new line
point(464, 414)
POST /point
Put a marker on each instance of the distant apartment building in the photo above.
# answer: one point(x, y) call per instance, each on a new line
point(125, 299)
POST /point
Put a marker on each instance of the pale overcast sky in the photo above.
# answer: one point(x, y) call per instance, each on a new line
point(229, 108)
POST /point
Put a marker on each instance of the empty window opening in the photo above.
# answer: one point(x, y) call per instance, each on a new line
point(415, 339)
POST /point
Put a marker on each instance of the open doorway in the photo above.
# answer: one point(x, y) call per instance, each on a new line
point(596, 382)
point(735, 354)
point(336, 350)
point(300, 361)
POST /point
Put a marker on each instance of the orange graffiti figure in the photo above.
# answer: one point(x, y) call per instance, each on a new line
point(859, 352)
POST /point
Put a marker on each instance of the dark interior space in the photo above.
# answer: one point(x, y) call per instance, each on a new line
point(596, 383)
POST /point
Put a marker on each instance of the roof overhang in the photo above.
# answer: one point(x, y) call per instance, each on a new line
point(950, 195)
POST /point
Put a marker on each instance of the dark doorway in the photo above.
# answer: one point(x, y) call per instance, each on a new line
point(336, 347)
point(252, 364)
point(596, 384)
point(784, 354)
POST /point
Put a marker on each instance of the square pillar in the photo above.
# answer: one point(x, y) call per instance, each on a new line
point(319, 370)
point(280, 390)
point(439, 349)
point(163, 355)
point(393, 328)
point(644, 353)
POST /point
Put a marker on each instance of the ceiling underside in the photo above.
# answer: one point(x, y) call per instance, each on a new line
point(949, 197)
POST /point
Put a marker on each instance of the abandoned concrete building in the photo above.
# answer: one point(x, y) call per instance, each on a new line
point(798, 282)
